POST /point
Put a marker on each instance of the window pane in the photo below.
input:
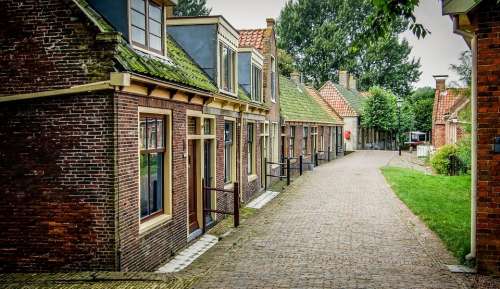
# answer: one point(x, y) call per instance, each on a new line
point(154, 12)
point(228, 132)
point(152, 132)
point(138, 35)
point(138, 5)
point(155, 28)
point(138, 20)
point(154, 42)
point(142, 135)
point(144, 185)
point(160, 133)
point(155, 182)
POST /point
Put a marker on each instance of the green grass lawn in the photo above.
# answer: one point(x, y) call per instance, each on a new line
point(442, 202)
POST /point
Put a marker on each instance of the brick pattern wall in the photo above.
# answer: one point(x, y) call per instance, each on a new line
point(48, 44)
point(147, 252)
point(488, 90)
point(438, 135)
point(57, 184)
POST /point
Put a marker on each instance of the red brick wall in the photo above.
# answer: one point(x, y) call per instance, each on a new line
point(438, 135)
point(488, 90)
point(57, 184)
point(147, 252)
point(48, 44)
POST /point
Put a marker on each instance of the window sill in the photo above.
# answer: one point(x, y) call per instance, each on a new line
point(274, 166)
point(154, 223)
point(252, 178)
point(229, 187)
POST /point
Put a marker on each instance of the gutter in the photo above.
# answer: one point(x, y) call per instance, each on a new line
point(149, 80)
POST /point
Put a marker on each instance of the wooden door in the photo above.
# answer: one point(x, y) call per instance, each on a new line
point(192, 188)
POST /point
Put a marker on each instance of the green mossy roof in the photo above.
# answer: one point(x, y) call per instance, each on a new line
point(355, 99)
point(181, 69)
point(297, 105)
point(242, 94)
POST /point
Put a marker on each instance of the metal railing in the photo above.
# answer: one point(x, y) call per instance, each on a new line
point(236, 204)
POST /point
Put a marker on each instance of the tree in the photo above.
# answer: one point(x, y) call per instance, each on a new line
point(192, 8)
point(321, 36)
point(387, 64)
point(464, 68)
point(286, 63)
point(422, 101)
point(379, 110)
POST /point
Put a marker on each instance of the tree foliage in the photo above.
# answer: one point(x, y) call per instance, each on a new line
point(192, 8)
point(379, 110)
point(286, 63)
point(322, 38)
point(464, 68)
point(422, 101)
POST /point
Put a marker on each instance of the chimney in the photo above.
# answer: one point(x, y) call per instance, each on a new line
point(270, 22)
point(353, 82)
point(440, 81)
point(295, 77)
point(344, 78)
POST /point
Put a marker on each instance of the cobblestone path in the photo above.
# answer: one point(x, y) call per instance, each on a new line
point(339, 227)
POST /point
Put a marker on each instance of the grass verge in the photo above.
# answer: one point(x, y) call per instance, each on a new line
point(442, 202)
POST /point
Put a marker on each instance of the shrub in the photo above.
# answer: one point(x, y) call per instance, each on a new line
point(464, 152)
point(440, 161)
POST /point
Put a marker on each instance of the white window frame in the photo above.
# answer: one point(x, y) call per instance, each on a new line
point(274, 88)
point(234, 85)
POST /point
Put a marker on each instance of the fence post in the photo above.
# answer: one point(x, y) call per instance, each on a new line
point(329, 154)
point(203, 200)
point(288, 171)
point(236, 205)
point(316, 162)
point(300, 164)
point(265, 174)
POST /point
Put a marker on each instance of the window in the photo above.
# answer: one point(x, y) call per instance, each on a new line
point(273, 79)
point(250, 148)
point(322, 139)
point(305, 140)
point(332, 139)
point(291, 142)
point(256, 84)
point(228, 151)
point(227, 62)
point(146, 25)
point(274, 142)
point(152, 160)
point(314, 140)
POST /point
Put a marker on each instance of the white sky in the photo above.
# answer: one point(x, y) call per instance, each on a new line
point(437, 51)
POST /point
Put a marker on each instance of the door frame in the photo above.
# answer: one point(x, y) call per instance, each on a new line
point(199, 138)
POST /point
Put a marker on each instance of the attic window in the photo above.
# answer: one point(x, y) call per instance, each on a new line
point(146, 25)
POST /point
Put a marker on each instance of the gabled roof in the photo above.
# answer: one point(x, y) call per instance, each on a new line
point(315, 95)
point(334, 97)
point(443, 102)
point(252, 38)
point(297, 105)
point(179, 68)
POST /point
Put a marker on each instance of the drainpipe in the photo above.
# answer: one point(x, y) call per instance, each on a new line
point(472, 254)
point(471, 39)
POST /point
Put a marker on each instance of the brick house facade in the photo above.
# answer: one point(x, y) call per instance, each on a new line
point(75, 92)
point(478, 22)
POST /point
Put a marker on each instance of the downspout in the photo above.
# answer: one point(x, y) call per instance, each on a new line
point(471, 39)
point(472, 254)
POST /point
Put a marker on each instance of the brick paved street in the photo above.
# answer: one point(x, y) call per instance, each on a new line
point(340, 227)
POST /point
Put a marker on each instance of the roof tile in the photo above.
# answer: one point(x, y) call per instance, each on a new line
point(253, 38)
point(333, 96)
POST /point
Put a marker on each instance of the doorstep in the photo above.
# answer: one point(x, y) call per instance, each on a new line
point(262, 200)
point(188, 255)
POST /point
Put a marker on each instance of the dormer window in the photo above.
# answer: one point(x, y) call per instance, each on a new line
point(256, 83)
point(227, 65)
point(146, 25)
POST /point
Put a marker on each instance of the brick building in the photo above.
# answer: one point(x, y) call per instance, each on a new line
point(109, 128)
point(444, 100)
point(478, 22)
point(310, 127)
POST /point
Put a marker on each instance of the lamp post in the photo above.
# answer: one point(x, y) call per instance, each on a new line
point(399, 103)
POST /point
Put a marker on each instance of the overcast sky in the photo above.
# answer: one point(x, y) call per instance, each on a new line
point(436, 52)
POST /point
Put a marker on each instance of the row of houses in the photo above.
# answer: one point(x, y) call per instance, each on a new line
point(115, 116)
